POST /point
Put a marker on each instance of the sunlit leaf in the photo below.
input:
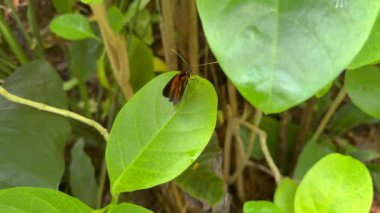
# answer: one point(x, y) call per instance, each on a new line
point(25, 199)
point(155, 141)
point(336, 183)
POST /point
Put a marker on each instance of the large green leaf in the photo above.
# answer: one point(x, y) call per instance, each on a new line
point(72, 27)
point(199, 180)
point(336, 183)
point(370, 53)
point(152, 141)
point(284, 195)
point(364, 89)
point(260, 207)
point(32, 141)
point(279, 53)
point(27, 199)
point(82, 175)
point(128, 208)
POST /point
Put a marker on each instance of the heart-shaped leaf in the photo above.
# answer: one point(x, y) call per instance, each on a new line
point(32, 141)
point(279, 53)
point(152, 141)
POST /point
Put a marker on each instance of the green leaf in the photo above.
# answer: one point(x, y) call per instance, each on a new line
point(370, 53)
point(92, 1)
point(311, 153)
point(360, 154)
point(143, 26)
point(336, 183)
point(82, 175)
point(152, 141)
point(27, 199)
point(115, 18)
point(364, 89)
point(63, 6)
point(83, 56)
point(141, 63)
point(72, 27)
point(260, 207)
point(135, 8)
point(32, 141)
point(284, 195)
point(347, 117)
point(199, 180)
point(128, 208)
point(280, 53)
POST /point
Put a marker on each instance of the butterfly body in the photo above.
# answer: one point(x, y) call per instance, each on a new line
point(176, 87)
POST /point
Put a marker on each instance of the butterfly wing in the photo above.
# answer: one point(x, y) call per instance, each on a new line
point(175, 88)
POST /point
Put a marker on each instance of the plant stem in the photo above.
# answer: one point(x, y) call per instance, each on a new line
point(264, 147)
point(47, 108)
point(334, 105)
point(35, 30)
point(116, 50)
point(12, 41)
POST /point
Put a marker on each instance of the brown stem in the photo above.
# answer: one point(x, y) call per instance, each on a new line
point(168, 32)
point(193, 43)
point(334, 105)
point(282, 140)
point(116, 50)
point(306, 118)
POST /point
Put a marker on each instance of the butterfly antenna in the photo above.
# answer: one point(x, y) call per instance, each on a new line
point(180, 56)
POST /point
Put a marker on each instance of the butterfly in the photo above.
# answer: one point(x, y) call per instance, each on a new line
point(176, 87)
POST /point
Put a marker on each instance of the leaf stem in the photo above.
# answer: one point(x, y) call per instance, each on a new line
point(47, 108)
point(334, 105)
point(264, 147)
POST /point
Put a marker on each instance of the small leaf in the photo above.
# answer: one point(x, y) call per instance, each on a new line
point(311, 153)
point(370, 53)
point(92, 1)
point(115, 18)
point(32, 141)
point(82, 175)
point(141, 63)
point(364, 89)
point(143, 26)
point(72, 27)
point(336, 183)
point(284, 195)
point(155, 141)
point(83, 56)
point(199, 180)
point(347, 117)
point(135, 8)
point(26, 199)
point(128, 208)
point(260, 207)
point(63, 6)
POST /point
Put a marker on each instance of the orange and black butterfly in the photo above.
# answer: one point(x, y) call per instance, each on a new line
point(176, 87)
